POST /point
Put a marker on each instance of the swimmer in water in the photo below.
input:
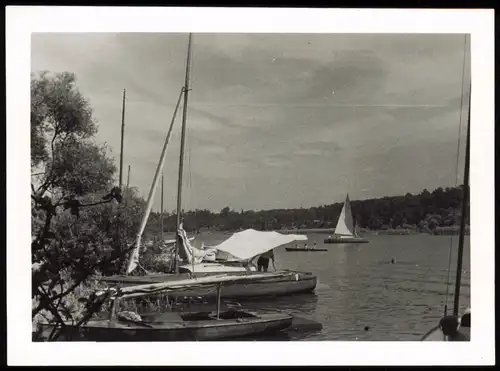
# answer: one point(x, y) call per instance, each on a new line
point(392, 261)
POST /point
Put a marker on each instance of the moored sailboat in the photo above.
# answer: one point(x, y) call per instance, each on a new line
point(243, 246)
point(345, 231)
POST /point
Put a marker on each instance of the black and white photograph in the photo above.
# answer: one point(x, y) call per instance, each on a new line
point(330, 187)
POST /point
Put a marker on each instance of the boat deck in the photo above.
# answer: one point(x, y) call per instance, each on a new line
point(287, 283)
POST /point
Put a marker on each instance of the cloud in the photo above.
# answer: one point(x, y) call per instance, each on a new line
point(274, 120)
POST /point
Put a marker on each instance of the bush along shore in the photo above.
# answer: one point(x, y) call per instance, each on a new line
point(407, 230)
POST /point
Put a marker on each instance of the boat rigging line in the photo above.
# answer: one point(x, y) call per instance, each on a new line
point(465, 204)
point(448, 283)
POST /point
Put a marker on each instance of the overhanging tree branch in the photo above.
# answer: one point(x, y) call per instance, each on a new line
point(68, 251)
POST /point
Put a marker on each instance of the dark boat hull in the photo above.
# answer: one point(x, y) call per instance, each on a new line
point(309, 250)
point(437, 335)
point(290, 284)
point(195, 330)
point(345, 240)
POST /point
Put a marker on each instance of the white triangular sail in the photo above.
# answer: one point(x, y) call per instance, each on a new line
point(345, 225)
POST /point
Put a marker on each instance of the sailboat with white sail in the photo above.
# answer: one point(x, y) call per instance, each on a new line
point(242, 247)
point(345, 231)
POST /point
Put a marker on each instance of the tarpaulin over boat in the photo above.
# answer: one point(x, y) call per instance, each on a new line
point(249, 243)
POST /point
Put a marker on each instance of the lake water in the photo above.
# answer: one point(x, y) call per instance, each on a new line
point(358, 286)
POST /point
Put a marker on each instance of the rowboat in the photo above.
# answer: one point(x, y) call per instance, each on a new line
point(315, 249)
point(172, 326)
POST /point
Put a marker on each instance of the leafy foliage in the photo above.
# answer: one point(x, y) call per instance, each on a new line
point(81, 167)
point(81, 224)
point(57, 109)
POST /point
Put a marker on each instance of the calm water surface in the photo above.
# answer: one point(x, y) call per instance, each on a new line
point(358, 286)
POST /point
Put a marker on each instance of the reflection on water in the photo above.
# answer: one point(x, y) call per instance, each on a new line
point(362, 295)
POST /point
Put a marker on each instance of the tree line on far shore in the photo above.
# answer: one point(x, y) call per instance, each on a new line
point(426, 211)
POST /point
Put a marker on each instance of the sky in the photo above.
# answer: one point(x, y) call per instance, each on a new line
point(275, 120)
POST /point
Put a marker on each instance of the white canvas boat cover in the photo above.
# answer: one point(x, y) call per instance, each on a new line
point(249, 243)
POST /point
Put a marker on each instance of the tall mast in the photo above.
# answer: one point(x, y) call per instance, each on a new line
point(121, 144)
point(465, 202)
point(181, 157)
point(128, 177)
point(134, 257)
point(161, 212)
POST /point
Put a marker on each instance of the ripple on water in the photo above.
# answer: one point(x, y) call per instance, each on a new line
point(358, 286)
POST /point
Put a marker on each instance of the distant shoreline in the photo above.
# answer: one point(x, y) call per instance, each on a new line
point(439, 231)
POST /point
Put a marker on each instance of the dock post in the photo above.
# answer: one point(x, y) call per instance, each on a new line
point(218, 299)
point(112, 309)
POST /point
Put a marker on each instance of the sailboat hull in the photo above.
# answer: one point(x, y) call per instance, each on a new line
point(290, 283)
point(345, 240)
point(202, 326)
